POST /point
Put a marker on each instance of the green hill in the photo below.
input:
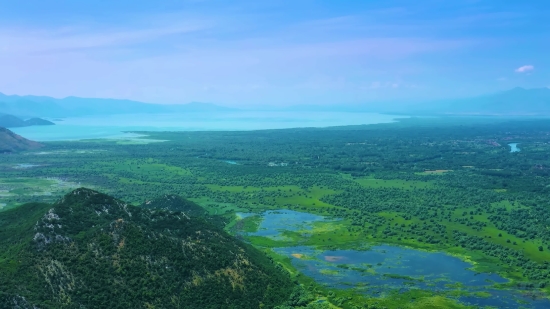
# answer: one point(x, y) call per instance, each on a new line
point(172, 202)
point(89, 250)
point(11, 142)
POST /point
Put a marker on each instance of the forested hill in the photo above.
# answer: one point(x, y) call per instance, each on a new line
point(174, 202)
point(11, 142)
point(89, 250)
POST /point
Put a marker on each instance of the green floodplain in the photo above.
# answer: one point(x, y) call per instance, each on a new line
point(438, 189)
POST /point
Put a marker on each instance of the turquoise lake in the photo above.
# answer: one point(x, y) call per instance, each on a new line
point(115, 126)
point(378, 269)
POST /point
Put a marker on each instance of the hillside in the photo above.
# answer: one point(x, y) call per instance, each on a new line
point(10, 121)
point(174, 202)
point(89, 250)
point(11, 142)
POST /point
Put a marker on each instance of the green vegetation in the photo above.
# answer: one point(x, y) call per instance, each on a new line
point(91, 250)
point(448, 185)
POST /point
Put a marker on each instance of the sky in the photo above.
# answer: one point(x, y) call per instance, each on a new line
point(278, 52)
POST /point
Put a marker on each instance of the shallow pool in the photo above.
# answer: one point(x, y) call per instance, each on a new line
point(514, 147)
point(276, 221)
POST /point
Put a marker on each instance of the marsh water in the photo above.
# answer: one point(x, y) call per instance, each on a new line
point(380, 269)
point(230, 162)
point(25, 165)
point(276, 221)
point(514, 147)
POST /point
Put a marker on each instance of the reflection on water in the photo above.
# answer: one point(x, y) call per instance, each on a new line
point(384, 268)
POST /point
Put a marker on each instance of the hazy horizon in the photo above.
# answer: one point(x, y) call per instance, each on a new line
point(248, 54)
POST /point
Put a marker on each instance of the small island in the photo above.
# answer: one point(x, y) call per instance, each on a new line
point(10, 121)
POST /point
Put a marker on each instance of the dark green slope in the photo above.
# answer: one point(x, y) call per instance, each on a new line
point(174, 202)
point(90, 250)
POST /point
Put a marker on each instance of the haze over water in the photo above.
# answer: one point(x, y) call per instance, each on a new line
point(114, 126)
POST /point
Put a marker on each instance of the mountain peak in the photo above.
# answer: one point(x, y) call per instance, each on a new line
point(82, 193)
point(96, 201)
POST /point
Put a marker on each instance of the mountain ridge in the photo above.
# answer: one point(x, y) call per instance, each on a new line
point(42, 106)
point(90, 250)
point(516, 101)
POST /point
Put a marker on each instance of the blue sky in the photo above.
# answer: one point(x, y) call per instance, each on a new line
point(279, 52)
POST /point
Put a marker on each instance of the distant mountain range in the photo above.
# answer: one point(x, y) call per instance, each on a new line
point(40, 106)
point(11, 142)
point(514, 102)
point(10, 121)
point(517, 102)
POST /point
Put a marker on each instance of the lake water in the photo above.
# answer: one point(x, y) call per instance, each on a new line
point(230, 162)
point(514, 147)
point(376, 270)
point(114, 126)
point(25, 165)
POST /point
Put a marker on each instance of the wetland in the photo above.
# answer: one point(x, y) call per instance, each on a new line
point(420, 213)
point(378, 270)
